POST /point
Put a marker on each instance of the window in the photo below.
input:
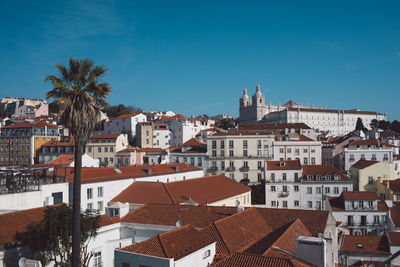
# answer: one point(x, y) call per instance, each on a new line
point(305, 161)
point(344, 189)
point(214, 144)
point(111, 149)
point(319, 191)
point(296, 151)
point(199, 161)
point(105, 149)
point(313, 161)
point(376, 219)
point(273, 189)
point(284, 188)
point(284, 204)
point(370, 204)
point(284, 176)
point(362, 156)
point(111, 160)
point(259, 177)
point(147, 133)
point(296, 203)
point(89, 206)
point(100, 191)
point(309, 204)
point(89, 193)
point(192, 160)
point(100, 206)
point(244, 143)
point(258, 143)
point(230, 143)
point(272, 177)
point(319, 205)
point(281, 150)
point(327, 190)
point(206, 254)
point(350, 220)
point(232, 176)
point(309, 190)
point(214, 153)
point(305, 150)
point(296, 188)
point(231, 153)
point(296, 176)
point(99, 149)
point(273, 203)
point(336, 190)
point(222, 165)
point(244, 153)
point(97, 259)
point(370, 180)
point(289, 150)
point(361, 204)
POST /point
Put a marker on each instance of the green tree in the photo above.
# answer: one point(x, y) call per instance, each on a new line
point(50, 239)
point(359, 124)
point(79, 95)
point(225, 124)
point(374, 124)
point(395, 126)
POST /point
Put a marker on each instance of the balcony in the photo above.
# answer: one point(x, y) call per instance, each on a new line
point(284, 194)
point(230, 169)
point(260, 168)
point(244, 169)
point(213, 169)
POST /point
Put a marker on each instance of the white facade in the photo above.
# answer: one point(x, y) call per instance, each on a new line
point(353, 154)
point(96, 195)
point(183, 130)
point(33, 199)
point(161, 138)
point(307, 151)
point(124, 123)
point(196, 159)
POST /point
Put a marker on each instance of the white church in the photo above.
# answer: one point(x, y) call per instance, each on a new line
point(334, 121)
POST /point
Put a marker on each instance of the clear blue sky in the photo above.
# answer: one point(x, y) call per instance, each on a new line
point(196, 56)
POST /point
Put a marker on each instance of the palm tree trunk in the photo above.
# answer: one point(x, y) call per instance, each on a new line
point(76, 206)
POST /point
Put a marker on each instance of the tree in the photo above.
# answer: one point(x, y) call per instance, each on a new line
point(115, 111)
point(374, 124)
point(80, 95)
point(225, 123)
point(359, 124)
point(50, 239)
point(395, 126)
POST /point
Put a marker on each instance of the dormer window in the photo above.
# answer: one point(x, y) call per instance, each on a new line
point(319, 177)
point(328, 177)
point(309, 177)
point(360, 246)
point(282, 164)
point(337, 177)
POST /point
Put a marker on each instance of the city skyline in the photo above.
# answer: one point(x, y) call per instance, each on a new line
point(164, 56)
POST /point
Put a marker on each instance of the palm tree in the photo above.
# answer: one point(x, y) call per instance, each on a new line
point(79, 96)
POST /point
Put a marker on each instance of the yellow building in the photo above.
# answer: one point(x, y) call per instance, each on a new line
point(20, 142)
point(367, 174)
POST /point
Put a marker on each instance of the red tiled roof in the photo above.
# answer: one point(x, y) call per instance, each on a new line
point(238, 133)
point(394, 238)
point(275, 165)
point(371, 142)
point(202, 190)
point(106, 220)
point(249, 260)
point(360, 195)
point(128, 115)
point(362, 164)
point(316, 170)
point(25, 124)
point(395, 213)
point(192, 142)
point(243, 229)
point(301, 138)
point(63, 160)
point(394, 185)
point(58, 143)
point(175, 244)
point(144, 150)
point(94, 175)
point(165, 214)
point(13, 222)
point(365, 244)
point(314, 220)
point(105, 136)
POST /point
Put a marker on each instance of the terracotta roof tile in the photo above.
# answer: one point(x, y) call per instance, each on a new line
point(316, 170)
point(362, 164)
point(94, 175)
point(395, 213)
point(164, 214)
point(365, 244)
point(360, 195)
point(277, 165)
point(106, 220)
point(338, 203)
point(144, 193)
point(371, 142)
point(273, 126)
point(394, 238)
point(249, 260)
point(58, 143)
point(314, 220)
point(394, 185)
point(13, 222)
point(25, 124)
point(238, 133)
point(130, 115)
point(63, 160)
point(193, 142)
point(105, 136)
point(174, 244)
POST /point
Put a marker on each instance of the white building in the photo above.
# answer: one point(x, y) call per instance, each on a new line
point(68, 160)
point(184, 129)
point(373, 150)
point(288, 184)
point(192, 151)
point(337, 122)
point(362, 212)
point(297, 147)
point(101, 185)
point(125, 123)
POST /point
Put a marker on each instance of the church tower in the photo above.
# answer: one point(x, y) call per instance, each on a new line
point(258, 107)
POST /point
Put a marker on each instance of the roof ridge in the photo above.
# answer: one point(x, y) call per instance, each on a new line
point(168, 193)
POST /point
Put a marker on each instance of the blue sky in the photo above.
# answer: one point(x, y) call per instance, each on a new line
point(196, 56)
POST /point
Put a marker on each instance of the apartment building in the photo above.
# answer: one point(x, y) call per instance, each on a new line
point(152, 134)
point(55, 148)
point(373, 150)
point(288, 184)
point(295, 146)
point(20, 142)
point(239, 155)
point(104, 146)
point(125, 123)
point(192, 151)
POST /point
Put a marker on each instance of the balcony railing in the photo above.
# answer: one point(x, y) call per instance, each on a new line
point(284, 194)
point(230, 169)
point(260, 168)
point(244, 169)
point(213, 169)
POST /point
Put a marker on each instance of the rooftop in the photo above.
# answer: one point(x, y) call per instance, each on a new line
point(362, 164)
point(276, 165)
point(366, 244)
